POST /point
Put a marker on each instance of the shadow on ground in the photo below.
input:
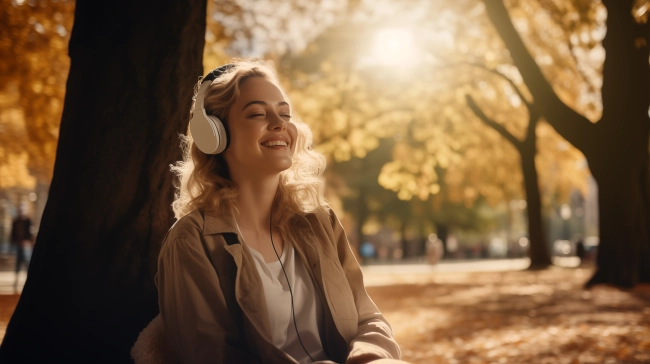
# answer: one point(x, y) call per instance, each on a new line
point(517, 317)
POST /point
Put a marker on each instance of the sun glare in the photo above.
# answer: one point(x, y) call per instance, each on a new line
point(393, 48)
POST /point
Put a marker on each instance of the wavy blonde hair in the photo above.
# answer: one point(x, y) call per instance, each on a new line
point(204, 181)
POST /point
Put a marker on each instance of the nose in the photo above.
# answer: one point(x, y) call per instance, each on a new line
point(277, 123)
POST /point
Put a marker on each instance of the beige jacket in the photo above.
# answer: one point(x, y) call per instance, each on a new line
point(212, 303)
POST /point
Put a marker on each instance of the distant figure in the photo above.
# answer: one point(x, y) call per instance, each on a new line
point(435, 251)
point(21, 238)
point(580, 250)
point(367, 250)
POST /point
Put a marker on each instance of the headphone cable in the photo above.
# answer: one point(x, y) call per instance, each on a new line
point(288, 284)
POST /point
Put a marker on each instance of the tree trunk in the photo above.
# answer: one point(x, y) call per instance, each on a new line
point(623, 252)
point(90, 287)
point(618, 159)
point(538, 252)
point(618, 154)
point(644, 256)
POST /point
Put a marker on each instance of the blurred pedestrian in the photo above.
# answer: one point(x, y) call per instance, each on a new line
point(435, 251)
point(367, 251)
point(21, 239)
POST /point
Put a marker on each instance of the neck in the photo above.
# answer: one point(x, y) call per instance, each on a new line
point(254, 202)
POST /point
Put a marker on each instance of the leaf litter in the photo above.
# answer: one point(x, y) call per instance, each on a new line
point(517, 317)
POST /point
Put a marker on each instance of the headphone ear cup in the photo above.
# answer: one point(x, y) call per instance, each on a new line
point(208, 133)
point(221, 131)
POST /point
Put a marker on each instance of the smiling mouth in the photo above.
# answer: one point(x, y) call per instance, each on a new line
point(275, 143)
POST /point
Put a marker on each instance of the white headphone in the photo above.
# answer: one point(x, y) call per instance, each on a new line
point(208, 131)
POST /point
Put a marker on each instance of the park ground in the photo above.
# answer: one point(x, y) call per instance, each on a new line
point(474, 313)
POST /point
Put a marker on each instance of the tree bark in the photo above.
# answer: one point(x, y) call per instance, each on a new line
point(616, 147)
point(618, 155)
point(623, 254)
point(538, 252)
point(90, 287)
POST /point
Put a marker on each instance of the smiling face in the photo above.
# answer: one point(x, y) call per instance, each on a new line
point(262, 136)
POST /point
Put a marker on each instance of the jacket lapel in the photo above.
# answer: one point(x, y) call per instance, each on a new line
point(249, 292)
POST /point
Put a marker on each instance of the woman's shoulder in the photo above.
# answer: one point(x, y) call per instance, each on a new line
point(323, 215)
point(188, 226)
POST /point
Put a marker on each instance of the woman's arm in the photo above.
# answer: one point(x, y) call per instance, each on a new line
point(192, 306)
point(374, 338)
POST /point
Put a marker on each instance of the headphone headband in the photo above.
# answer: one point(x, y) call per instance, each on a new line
point(215, 73)
point(206, 81)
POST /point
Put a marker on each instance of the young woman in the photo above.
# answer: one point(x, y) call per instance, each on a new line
point(258, 269)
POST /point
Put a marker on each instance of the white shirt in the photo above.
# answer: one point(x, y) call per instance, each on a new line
point(307, 305)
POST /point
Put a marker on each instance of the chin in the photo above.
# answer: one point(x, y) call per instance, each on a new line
point(278, 167)
point(285, 166)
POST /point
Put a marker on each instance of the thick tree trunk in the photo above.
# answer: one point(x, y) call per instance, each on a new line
point(618, 154)
point(644, 256)
point(90, 287)
point(623, 253)
point(538, 252)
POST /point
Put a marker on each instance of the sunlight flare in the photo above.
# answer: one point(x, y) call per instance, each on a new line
point(394, 48)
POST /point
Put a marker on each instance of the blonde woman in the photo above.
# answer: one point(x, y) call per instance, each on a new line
point(258, 269)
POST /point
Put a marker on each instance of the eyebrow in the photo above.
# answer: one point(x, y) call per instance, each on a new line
point(254, 102)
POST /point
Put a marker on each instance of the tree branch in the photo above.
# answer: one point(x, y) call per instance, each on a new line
point(570, 124)
point(533, 119)
point(496, 72)
point(493, 124)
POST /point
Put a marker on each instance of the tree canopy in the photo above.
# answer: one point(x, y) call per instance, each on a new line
point(344, 84)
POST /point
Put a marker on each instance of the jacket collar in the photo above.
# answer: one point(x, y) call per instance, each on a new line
point(219, 222)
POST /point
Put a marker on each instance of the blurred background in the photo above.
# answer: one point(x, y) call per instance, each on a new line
point(383, 85)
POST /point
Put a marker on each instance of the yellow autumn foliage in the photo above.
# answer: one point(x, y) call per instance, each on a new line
point(421, 103)
point(350, 102)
